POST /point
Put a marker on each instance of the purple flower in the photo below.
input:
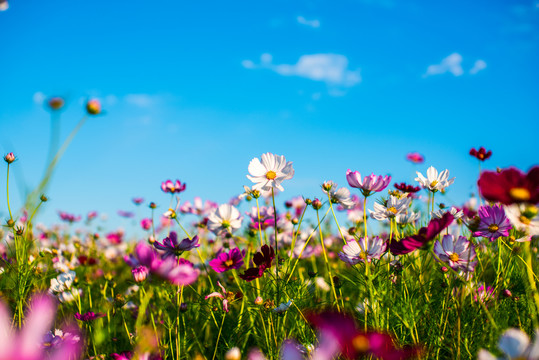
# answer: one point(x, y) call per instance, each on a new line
point(369, 184)
point(125, 355)
point(458, 254)
point(171, 246)
point(89, 316)
point(493, 222)
point(24, 345)
point(226, 261)
point(484, 293)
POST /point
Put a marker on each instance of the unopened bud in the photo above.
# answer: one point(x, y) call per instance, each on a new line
point(444, 269)
point(259, 300)
point(317, 204)
point(56, 103)
point(43, 198)
point(507, 293)
point(9, 158)
point(93, 107)
point(233, 354)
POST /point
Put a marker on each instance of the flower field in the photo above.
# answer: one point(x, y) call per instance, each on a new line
point(401, 275)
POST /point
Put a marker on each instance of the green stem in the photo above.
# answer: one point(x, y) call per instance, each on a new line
point(7, 190)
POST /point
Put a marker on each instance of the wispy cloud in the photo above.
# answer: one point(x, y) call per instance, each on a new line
point(141, 100)
point(451, 64)
point(478, 66)
point(329, 68)
point(315, 23)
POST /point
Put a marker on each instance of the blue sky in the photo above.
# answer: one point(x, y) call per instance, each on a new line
point(195, 90)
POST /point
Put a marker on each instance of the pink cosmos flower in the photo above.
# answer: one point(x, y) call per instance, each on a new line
point(369, 184)
point(70, 218)
point(172, 187)
point(458, 253)
point(89, 316)
point(228, 260)
point(24, 345)
point(224, 295)
point(140, 273)
point(146, 223)
point(415, 157)
point(493, 222)
point(198, 207)
point(177, 272)
point(138, 200)
point(126, 214)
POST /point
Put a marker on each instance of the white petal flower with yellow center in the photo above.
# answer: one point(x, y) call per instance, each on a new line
point(270, 172)
point(434, 181)
point(224, 219)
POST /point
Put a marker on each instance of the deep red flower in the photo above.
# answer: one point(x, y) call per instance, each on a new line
point(263, 260)
point(482, 154)
point(407, 188)
point(424, 235)
point(510, 186)
point(89, 316)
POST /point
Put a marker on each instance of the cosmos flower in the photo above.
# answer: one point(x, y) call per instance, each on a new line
point(140, 273)
point(393, 207)
point(524, 217)
point(409, 217)
point(458, 253)
point(225, 219)
point(423, 236)
point(270, 172)
point(89, 316)
point(138, 200)
point(172, 187)
point(338, 196)
point(263, 260)
point(515, 344)
point(146, 223)
point(363, 250)
point(297, 203)
point(283, 307)
point(369, 184)
point(482, 154)
point(9, 158)
point(415, 157)
point(493, 222)
point(198, 207)
point(56, 103)
point(510, 186)
point(456, 212)
point(223, 295)
point(434, 181)
point(405, 188)
point(173, 248)
point(25, 344)
point(228, 260)
point(70, 218)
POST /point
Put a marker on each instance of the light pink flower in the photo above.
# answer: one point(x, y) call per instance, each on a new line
point(369, 184)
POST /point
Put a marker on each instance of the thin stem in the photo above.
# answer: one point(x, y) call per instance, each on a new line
point(327, 263)
point(7, 190)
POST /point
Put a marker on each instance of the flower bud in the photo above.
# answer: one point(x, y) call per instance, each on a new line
point(317, 204)
point(327, 185)
point(152, 205)
point(9, 158)
point(43, 198)
point(233, 354)
point(140, 273)
point(308, 201)
point(10, 223)
point(444, 269)
point(259, 300)
point(93, 107)
point(56, 103)
point(183, 307)
point(507, 293)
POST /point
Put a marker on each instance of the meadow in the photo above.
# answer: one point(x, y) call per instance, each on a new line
point(405, 276)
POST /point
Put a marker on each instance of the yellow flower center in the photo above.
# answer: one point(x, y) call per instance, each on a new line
point(454, 257)
point(270, 175)
point(392, 210)
point(361, 343)
point(363, 255)
point(229, 262)
point(521, 194)
point(523, 219)
point(493, 228)
point(434, 183)
point(225, 224)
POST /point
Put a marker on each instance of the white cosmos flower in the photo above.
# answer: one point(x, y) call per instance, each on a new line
point(457, 214)
point(407, 217)
point(363, 249)
point(226, 218)
point(270, 172)
point(338, 196)
point(283, 307)
point(515, 344)
point(62, 282)
point(524, 217)
point(394, 207)
point(434, 181)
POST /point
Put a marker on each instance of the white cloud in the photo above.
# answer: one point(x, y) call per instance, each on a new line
point(478, 66)
point(449, 64)
point(39, 98)
point(315, 23)
point(329, 68)
point(141, 100)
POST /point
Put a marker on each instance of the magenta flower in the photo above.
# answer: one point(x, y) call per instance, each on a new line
point(125, 355)
point(172, 248)
point(415, 157)
point(138, 200)
point(70, 218)
point(226, 261)
point(177, 272)
point(458, 253)
point(493, 222)
point(89, 316)
point(369, 184)
point(146, 223)
point(172, 187)
point(140, 273)
point(484, 293)
point(424, 235)
point(24, 345)
point(224, 295)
